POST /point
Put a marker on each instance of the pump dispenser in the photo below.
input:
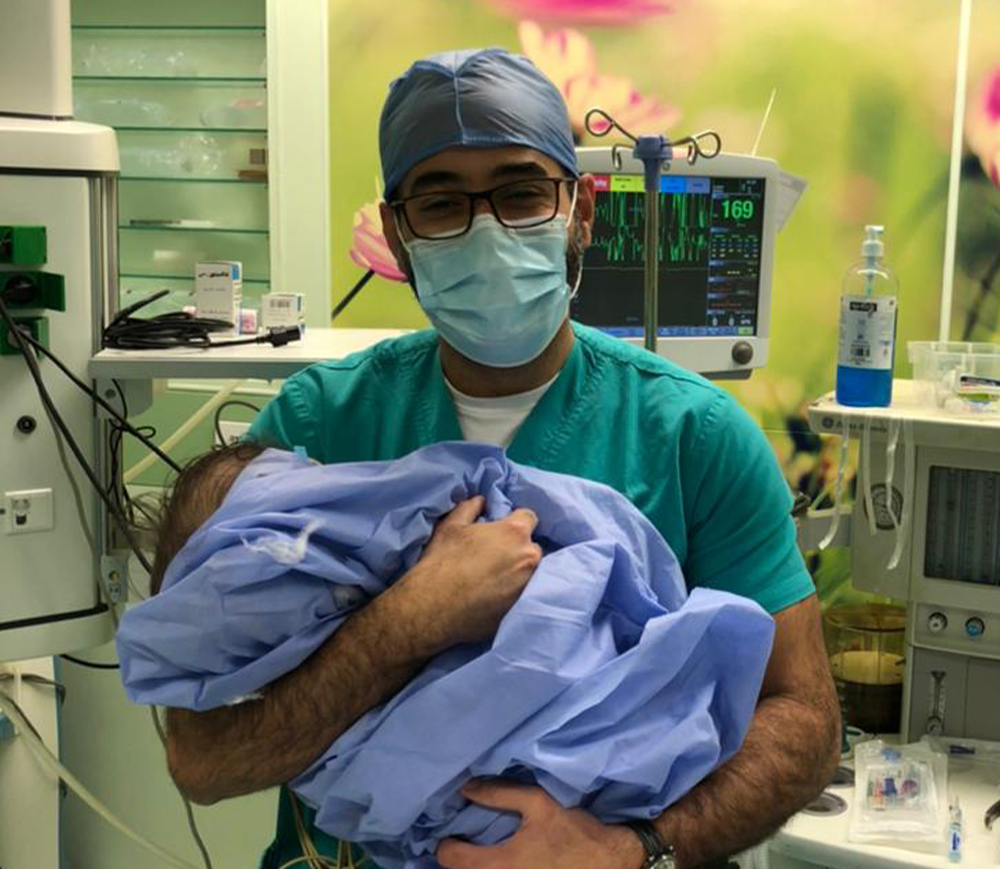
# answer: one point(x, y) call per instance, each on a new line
point(867, 338)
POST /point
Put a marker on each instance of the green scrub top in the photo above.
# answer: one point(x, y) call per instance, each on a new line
point(681, 449)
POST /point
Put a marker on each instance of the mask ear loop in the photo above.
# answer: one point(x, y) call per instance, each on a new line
point(909, 468)
point(572, 213)
point(866, 471)
point(845, 443)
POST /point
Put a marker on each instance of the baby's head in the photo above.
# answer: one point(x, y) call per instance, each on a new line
point(196, 494)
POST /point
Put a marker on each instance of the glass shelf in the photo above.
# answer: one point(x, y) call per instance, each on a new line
point(173, 28)
point(183, 180)
point(164, 227)
point(129, 102)
point(162, 251)
point(257, 131)
point(175, 78)
point(223, 206)
point(169, 53)
point(165, 278)
point(146, 153)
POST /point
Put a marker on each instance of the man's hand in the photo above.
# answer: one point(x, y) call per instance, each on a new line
point(471, 573)
point(549, 835)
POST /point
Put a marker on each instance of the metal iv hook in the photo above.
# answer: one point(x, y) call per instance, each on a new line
point(695, 148)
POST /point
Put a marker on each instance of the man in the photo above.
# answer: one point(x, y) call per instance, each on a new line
point(486, 212)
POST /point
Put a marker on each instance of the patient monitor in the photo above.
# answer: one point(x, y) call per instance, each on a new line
point(718, 220)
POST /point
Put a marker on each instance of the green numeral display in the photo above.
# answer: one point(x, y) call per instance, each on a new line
point(737, 209)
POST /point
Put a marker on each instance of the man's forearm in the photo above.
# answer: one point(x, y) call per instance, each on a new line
point(261, 743)
point(788, 757)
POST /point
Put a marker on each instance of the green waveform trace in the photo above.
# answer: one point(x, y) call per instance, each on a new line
point(684, 223)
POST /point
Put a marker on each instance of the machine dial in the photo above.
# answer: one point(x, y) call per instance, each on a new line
point(975, 627)
point(937, 622)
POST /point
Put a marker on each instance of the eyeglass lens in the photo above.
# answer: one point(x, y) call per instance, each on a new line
point(449, 213)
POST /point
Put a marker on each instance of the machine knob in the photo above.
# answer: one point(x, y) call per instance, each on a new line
point(937, 622)
point(975, 627)
point(742, 353)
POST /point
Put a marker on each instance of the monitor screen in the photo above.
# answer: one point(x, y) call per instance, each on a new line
point(710, 248)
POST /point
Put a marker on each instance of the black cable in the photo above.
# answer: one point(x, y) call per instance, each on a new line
point(44, 681)
point(92, 664)
point(96, 397)
point(218, 413)
point(180, 329)
point(351, 293)
point(46, 400)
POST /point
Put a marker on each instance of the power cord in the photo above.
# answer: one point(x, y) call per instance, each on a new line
point(180, 329)
point(217, 419)
point(91, 664)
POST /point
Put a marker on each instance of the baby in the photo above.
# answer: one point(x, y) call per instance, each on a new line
point(606, 683)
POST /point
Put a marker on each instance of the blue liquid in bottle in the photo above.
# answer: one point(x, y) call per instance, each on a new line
point(867, 328)
point(859, 387)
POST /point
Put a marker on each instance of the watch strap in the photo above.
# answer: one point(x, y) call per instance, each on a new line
point(651, 840)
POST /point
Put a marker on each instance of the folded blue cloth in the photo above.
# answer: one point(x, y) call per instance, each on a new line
point(606, 683)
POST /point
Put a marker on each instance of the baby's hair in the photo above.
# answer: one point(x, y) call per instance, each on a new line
point(196, 494)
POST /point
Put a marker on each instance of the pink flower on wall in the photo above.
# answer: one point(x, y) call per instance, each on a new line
point(369, 249)
point(982, 124)
point(593, 12)
point(563, 55)
point(568, 58)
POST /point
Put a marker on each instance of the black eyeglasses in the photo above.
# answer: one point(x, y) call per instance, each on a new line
point(448, 213)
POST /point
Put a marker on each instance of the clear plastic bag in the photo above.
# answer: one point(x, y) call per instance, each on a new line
point(900, 796)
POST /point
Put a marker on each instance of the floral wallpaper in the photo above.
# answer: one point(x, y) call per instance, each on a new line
point(863, 110)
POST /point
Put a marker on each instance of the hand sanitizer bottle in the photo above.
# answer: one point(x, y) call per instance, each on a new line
point(867, 340)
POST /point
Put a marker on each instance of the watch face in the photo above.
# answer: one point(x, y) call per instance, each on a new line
point(664, 861)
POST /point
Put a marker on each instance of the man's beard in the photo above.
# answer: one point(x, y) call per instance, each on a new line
point(575, 249)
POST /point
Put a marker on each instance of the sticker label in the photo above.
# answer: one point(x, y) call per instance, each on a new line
point(867, 330)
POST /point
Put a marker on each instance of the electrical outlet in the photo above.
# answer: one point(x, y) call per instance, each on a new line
point(232, 431)
point(28, 510)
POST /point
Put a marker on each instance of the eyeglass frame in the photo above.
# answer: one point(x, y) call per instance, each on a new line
point(399, 205)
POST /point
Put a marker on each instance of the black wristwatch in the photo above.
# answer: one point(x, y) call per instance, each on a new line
point(659, 855)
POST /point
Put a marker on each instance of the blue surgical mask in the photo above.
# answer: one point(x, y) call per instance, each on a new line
point(497, 295)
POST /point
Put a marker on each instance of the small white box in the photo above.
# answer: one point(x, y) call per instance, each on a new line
point(282, 309)
point(218, 291)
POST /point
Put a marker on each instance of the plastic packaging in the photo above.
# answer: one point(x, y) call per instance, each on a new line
point(899, 796)
point(958, 376)
point(867, 336)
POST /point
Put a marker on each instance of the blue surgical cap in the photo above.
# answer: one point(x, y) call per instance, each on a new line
point(480, 98)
